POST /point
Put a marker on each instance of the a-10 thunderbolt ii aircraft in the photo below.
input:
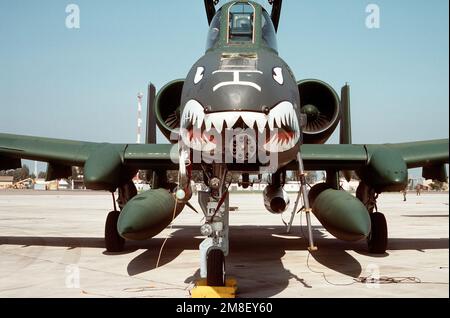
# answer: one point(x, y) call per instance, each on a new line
point(240, 109)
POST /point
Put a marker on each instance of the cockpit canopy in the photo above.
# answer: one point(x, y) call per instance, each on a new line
point(268, 32)
point(242, 23)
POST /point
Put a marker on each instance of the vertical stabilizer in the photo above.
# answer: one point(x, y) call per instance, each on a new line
point(345, 133)
point(150, 136)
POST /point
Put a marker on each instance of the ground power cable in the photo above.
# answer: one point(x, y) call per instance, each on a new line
point(368, 279)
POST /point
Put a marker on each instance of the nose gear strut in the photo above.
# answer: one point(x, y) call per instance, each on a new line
point(213, 249)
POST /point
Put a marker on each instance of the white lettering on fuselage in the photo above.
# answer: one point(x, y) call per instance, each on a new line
point(236, 79)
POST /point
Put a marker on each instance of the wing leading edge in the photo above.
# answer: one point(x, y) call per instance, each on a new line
point(432, 155)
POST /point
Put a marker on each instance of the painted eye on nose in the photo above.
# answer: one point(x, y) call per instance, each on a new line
point(199, 74)
point(277, 74)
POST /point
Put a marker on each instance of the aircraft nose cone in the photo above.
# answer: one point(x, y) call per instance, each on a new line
point(236, 98)
point(240, 82)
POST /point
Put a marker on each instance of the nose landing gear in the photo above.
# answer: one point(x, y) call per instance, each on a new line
point(215, 205)
point(215, 275)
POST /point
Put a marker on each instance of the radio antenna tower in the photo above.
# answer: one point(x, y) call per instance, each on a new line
point(139, 124)
point(139, 117)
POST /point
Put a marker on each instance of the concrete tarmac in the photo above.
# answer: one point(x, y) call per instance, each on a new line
point(51, 245)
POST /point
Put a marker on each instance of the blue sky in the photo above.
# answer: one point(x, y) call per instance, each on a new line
point(82, 83)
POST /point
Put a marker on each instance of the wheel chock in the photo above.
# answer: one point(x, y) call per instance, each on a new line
point(201, 290)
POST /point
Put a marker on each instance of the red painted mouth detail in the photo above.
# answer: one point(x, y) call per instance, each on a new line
point(277, 131)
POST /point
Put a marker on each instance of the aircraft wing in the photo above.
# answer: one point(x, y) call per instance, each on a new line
point(106, 166)
point(423, 153)
point(352, 157)
point(76, 153)
point(66, 152)
point(383, 167)
point(104, 161)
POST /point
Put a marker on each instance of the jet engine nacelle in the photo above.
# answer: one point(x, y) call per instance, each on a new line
point(276, 199)
point(167, 109)
point(321, 105)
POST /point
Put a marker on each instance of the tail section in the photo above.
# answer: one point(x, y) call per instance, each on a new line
point(345, 133)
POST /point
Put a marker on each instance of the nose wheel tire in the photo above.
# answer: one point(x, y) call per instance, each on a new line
point(378, 238)
point(215, 275)
point(113, 241)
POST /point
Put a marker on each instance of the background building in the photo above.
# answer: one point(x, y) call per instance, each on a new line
point(6, 182)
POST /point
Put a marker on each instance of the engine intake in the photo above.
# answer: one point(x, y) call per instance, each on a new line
point(320, 103)
point(167, 109)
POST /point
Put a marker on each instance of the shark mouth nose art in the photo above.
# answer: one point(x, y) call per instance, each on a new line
point(280, 127)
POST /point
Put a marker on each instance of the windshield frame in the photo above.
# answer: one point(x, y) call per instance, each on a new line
point(253, 46)
point(229, 41)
